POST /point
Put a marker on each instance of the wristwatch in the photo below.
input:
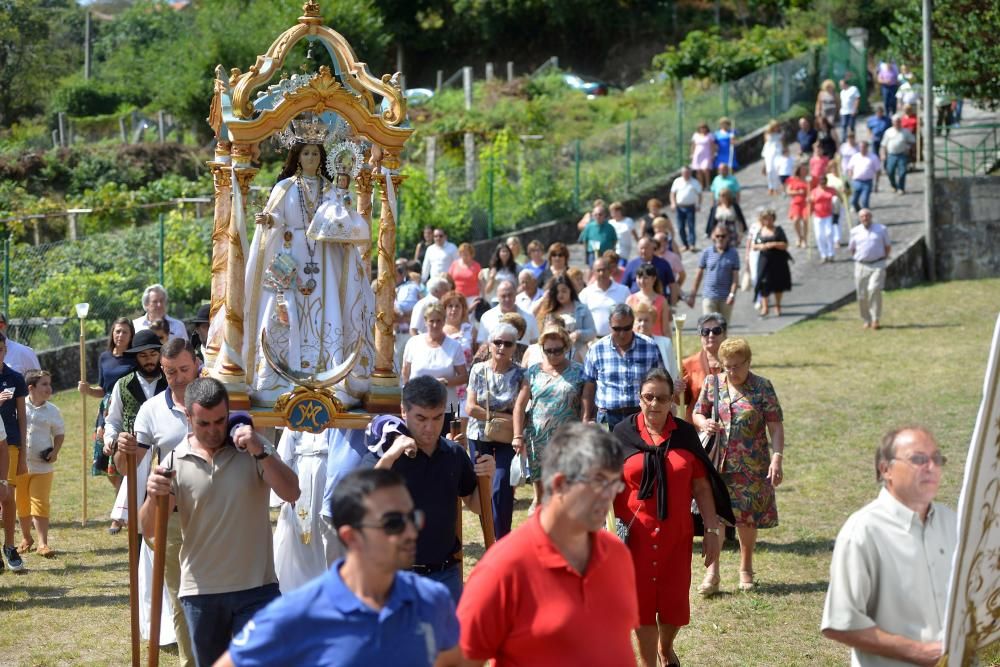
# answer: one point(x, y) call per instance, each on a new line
point(4, 482)
point(268, 450)
point(714, 531)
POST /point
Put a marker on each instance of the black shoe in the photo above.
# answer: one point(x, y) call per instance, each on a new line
point(14, 561)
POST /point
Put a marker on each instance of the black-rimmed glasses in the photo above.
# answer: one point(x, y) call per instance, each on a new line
point(715, 331)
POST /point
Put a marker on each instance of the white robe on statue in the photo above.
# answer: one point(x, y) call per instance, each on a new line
point(324, 325)
point(305, 543)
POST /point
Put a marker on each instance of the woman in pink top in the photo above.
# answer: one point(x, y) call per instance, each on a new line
point(651, 292)
point(703, 154)
point(822, 198)
point(797, 189)
point(465, 272)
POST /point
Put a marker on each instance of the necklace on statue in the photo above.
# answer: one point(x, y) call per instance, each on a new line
point(308, 207)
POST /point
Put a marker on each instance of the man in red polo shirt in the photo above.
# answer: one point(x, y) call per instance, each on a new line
point(551, 592)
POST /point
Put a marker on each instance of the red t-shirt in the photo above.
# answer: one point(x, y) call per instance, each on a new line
point(795, 183)
point(908, 123)
point(466, 279)
point(817, 167)
point(822, 200)
point(524, 605)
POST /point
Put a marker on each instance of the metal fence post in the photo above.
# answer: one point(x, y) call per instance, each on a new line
point(680, 120)
point(774, 90)
point(467, 86)
point(161, 250)
point(628, 156)
point(725, 98)
point(490, 216)
point(6, 275)
point(576, 184)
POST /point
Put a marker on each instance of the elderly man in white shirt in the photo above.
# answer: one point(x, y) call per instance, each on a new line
point(154, 302)
point(602, 295)
point(507, 303)
point(870, 248)
point(439, 256)
point(892, 561)
point(20, 357)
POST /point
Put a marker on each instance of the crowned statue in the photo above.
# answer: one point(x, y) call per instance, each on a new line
point(310, 304)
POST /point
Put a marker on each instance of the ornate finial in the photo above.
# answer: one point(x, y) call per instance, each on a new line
point(307, 128)
point(311, 9)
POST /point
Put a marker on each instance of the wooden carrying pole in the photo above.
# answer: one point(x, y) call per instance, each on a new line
point(133, 555)
point(485, 485)
point(679, 320)
point(454, 429)
point(159, 564)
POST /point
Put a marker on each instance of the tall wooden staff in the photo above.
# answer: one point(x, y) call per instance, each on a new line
point(485, 486)
point(454, 429)
point(159, 565)
point(82, 309)
point(679, 320)
point(133, 555)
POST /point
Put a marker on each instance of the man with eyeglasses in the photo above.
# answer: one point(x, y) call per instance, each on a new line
point(892, 560)
point(552, 592)
point(507, 303)
point(720, 267)
point(439, 256)
point(437, 472)
point(614, 368)
point(367, 609)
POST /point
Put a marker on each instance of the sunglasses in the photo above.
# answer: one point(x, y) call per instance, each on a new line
point(920, 460)
point(504, 343)
point(394, 523)
point(553, 351)
point(655, 398)
point(622, 329)
point(715, 331)
point(558, 254)
point(719, 236)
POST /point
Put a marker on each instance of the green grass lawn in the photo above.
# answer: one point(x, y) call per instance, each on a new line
point(841, 388)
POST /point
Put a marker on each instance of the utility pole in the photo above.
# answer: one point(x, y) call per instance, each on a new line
point(929, 242)
point(86, 48)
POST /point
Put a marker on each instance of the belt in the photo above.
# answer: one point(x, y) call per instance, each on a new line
point(434, 569)
point(621, 411)
point(872, 261)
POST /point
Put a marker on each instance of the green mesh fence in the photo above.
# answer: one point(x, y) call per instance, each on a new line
point(41, 284)
point(844, 61)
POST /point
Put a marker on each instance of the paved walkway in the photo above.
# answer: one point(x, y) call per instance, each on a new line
point(817, 287)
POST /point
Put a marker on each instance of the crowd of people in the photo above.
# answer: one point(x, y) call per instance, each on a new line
point(526, 367)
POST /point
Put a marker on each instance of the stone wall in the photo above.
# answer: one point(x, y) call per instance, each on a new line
point(967, 227)
point(907, 266)
point(64, 363)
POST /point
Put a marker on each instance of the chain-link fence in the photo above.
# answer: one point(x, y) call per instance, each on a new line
point(517, 181)
point(842, 60)
point(109, 271)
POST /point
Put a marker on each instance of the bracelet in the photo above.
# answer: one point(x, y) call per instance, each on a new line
point(781, 454)
point(518, 437)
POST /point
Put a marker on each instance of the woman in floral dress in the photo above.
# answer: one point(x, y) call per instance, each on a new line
point(749, 413)
point(553, 388)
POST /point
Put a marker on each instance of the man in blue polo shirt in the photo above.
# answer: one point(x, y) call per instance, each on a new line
point(437, 472)
point(720, 267)
point(366, 609)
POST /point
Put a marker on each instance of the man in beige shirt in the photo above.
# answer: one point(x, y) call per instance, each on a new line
point(220, 483)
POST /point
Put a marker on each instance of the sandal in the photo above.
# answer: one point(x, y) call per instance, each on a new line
point(709, 586)
point(746, 580)
point(25, 546)
point(114, 528)
point(46, 551)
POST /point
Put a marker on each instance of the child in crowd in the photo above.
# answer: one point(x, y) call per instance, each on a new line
point(786, 165)
point(45, 438)
point(161, 329)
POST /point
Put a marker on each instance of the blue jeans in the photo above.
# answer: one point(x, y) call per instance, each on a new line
point(503, 492)
point(452, 580)
point(862, 193)
point(214, 618)
point(889, 98)
point(685, 224)
point(612, 419)
point(846, 123)
point(895, 166)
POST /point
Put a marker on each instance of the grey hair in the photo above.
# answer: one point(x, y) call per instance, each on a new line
point(436, 284)
point(206, 392)
point(886, 450)
point(527, 272)
point(621, 310)
point(506, 282)
point(577, 449)
point(708, 317)
point(154, 288)
point(503, 328)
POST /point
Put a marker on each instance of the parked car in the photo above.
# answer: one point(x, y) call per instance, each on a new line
point(417, 96)
point(586, 84)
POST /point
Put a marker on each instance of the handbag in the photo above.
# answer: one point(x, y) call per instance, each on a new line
point(745, 280)
point(623, 529)
point(518, 470)
point(496, 429)
point(714, 445)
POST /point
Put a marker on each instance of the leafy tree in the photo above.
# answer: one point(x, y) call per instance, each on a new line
point(40, 42)
point(708, 55)
point(965, 46)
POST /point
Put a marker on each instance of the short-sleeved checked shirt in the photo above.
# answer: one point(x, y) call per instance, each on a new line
point(618, 375)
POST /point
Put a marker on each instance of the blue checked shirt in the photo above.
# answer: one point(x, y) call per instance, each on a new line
point(617, 376)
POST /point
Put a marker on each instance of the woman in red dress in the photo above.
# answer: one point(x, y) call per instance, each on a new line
point(797, 189)
point(665, 467)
